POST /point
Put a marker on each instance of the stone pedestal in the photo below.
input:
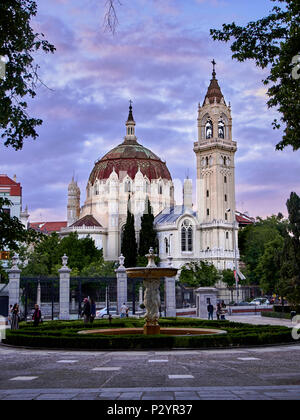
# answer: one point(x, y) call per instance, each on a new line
point(151, 329)
point(14, 283)
point(121, 284)
point(64, 291)
point(204, 296)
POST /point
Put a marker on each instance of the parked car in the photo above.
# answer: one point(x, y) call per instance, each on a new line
point(243, 303)
point(103, 312)
point(260, 301)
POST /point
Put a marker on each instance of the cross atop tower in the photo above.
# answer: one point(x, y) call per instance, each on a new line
point(214, 70)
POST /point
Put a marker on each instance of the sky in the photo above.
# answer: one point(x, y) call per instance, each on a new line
point(160, 58)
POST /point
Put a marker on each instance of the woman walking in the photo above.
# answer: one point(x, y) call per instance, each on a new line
point(37, 316)
point(15, 317)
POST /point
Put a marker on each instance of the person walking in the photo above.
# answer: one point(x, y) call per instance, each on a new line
point(123, 310)
point(15, 317)
point(223, 310)
point(219, 311)
point(37, 316)
point(210, 310)
point(93, 311)
point(9, 315)
point(86, 312)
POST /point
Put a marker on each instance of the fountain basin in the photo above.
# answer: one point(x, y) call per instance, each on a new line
point(163, 331)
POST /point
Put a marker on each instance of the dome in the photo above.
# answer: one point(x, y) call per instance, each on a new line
point(128, 157)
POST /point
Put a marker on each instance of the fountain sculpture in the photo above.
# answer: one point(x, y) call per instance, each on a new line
point(152, 275)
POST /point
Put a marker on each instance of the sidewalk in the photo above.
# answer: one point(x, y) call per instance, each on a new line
point(260, 320)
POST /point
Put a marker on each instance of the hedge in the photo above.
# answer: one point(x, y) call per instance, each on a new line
point(64, 334)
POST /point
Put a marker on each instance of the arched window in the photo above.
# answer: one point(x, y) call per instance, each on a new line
point(208, 129)
point(186, 236)
point(127, 186)
point(160, 189)
point(166, 246)
point(221, 129)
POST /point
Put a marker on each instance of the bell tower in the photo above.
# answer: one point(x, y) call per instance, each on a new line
point(215, 151)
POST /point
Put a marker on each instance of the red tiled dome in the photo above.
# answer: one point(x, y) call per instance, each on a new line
point(127, 158)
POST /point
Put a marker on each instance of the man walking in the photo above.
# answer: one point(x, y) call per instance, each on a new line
point(210, 310)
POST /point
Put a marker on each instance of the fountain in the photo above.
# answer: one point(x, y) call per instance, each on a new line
point(151, 275)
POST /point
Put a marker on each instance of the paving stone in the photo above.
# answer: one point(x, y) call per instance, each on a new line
point(130, 396)
point(62, 396)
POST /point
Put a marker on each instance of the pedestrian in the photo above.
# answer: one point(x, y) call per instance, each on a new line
point(123, 310)
point(86, 312)
point(210, 310)
point(9, 315)
point(37, 316)
point(93, 311)
point(219, 310)
point(15, 317)
point(127, 312)
point(223, 310)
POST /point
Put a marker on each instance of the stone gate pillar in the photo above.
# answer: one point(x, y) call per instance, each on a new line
point(121, 284)
point(64, 290)
point(170, 296)
point(14, 282)
point(204, 296)
point(170, 293)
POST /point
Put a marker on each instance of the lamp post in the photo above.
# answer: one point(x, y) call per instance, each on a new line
point(235, 256)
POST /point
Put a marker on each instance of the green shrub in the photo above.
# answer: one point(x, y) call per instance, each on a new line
point(61, 334)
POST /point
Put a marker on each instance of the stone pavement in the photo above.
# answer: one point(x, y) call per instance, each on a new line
point(228, 374)
point(157, 394)
point(260, 320)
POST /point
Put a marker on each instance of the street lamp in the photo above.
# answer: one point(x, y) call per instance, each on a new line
point(235, 256)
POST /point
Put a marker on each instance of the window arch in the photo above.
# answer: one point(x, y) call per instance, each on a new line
point(208, 129)
point(221, 129)
point(186, 236)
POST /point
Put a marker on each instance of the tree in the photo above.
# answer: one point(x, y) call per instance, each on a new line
point(18, 43)
point(199, 274)
point(110, 17)
point(148, 237)
point(99, 268)
point(269, 265)
point(253, 240)
point(12, 231)
point(45, 258)
point(129, 245)
point(290, 274)
point(229, 279)
point(273, 41)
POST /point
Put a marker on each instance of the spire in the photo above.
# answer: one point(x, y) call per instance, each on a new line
point(214, 93)
point(130, 116)
point(130, 126)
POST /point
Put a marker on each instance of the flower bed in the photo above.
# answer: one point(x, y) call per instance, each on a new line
point(60, 334)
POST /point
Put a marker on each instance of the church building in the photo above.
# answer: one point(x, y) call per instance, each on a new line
point(130, 172)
